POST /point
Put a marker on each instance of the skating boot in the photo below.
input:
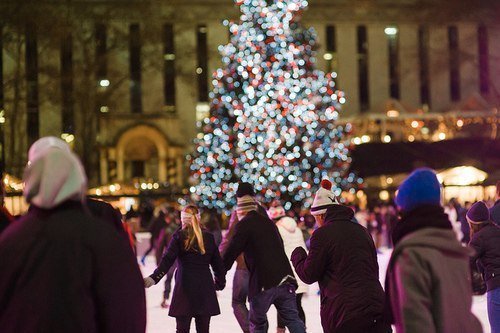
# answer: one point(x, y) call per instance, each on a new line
point(165, 304)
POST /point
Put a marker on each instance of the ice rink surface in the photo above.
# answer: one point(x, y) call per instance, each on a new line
point(160, 322)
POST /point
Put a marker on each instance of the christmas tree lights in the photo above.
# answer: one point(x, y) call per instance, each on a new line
point(273, 116)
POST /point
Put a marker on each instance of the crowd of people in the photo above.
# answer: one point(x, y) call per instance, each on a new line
point(69, 264)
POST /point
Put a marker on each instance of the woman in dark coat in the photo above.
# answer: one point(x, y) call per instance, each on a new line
point(194, 292)
point(485, 240)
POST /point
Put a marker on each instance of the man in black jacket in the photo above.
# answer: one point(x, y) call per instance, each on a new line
point(271, 276)
point(343, 259)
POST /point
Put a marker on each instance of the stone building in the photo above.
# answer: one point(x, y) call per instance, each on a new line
point(125, 81)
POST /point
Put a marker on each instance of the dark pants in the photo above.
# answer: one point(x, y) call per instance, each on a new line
point(365, 325)
point(168, 281)
point(239, 300)
point(184, 324)
point(493, 298)
point(302, 315)
point(283, 298)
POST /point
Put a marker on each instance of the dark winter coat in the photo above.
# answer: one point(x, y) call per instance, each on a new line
point(486, 243)
point(343, 260)
point(258, 238)
point(64, 271)
point(495, 213)
point(194, 291)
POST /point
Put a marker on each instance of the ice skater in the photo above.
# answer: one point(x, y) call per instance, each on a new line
point(343, 260)
point(292, 237)
point(428, 279)
point(194, 292)
point(271, 276)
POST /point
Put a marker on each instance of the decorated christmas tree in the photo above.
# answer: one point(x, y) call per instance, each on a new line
point(273, 116)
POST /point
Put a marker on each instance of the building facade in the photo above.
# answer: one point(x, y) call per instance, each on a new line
point(125, 82)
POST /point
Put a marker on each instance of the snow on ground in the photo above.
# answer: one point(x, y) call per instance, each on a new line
point(160, 322)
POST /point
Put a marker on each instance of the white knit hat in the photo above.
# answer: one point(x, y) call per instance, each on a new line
point(324, 198)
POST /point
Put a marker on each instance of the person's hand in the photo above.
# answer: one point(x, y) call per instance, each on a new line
point(298, 254)
point(148, 282)
point(219, 285)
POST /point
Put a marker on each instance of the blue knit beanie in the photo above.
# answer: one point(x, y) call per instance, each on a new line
point(420, 188)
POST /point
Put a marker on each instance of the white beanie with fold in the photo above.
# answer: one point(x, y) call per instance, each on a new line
point(324, 198)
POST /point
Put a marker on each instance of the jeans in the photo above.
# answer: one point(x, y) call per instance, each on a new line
point(365, 325)
point(283, 298)
point(302, 315)
point(493, 297)
point(239, 299)
point(184, 324)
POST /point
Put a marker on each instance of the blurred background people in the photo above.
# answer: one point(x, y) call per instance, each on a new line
point(5, 217)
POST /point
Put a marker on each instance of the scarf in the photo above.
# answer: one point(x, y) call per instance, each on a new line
point(426, 216)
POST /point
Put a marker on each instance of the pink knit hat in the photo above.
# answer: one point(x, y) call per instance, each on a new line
point(276, 212)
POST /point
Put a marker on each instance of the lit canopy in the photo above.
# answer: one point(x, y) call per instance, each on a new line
point(462, 176)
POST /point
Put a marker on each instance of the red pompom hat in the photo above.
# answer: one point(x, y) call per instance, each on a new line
point(324, 198)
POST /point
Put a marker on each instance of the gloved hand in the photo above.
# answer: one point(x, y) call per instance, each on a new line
point(219, 285)
point(298, 254)
point(148, 282)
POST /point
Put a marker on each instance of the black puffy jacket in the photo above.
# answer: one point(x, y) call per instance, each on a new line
point(343, 260)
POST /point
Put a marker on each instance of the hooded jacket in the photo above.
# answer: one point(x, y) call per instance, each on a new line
point(343, 260)
point(62, 269)
point(292, 238)
point(428, 284)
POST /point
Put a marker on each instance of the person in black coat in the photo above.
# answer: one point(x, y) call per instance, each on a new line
point(343, 260)
point(194, 292)
point(62, 269)
point(485, 240)
point(271, 276)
